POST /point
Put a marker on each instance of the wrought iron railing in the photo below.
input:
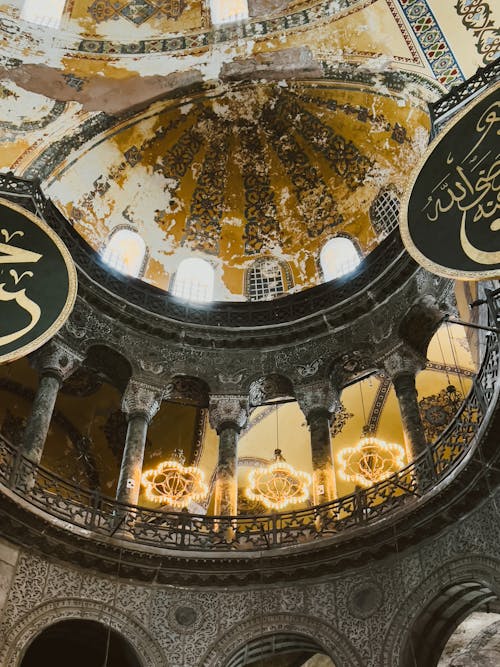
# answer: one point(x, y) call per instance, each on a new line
point(180, 530)
point(448, 105)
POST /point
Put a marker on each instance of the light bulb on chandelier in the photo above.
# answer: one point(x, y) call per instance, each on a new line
point(175, 484)
point(278, 484)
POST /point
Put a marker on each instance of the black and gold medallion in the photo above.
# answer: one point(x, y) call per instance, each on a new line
point(450, 219)
point(38, 282)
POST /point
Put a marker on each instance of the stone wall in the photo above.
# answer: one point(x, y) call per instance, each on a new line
point(360, 619)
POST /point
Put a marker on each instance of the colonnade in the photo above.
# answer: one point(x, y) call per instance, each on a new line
point(228, 415)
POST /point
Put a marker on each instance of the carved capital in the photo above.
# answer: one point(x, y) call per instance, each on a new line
point(317, 397)
point(140, 399)
point(57, 360)
point(403, 361)
point(228, 411)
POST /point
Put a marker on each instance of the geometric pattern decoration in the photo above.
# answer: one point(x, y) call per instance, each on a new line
point(175, 484)
point(278, 485)
point(370, 461)
point(136, 11)
point(438, 411)
point(103, 10)
point(432, 42)
point(476, 16)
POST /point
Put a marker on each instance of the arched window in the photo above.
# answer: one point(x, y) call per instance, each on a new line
point(228, 11)
point(338, 257)
point(194, 280)
point(384, 212)
point(266, 279)
point(125, 252)
point(43, 12)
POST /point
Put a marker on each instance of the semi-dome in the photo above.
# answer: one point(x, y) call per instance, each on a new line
point(250, 172)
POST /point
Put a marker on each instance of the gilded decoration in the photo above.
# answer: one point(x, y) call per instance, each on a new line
point(438, 410)
point(254, 171)
point(135, 11)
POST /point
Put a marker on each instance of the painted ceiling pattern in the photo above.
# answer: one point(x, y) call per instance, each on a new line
point(136, 11)
point(257, 170)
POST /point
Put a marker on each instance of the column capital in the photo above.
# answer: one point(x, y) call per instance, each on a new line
point(317, 397)
point(141, 399)
point(403, 361)
point(227, 411)
point(56, 360)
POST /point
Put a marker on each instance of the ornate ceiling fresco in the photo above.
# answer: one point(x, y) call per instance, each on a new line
point(258, 170)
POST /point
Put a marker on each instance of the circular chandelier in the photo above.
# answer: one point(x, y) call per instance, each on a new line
point(175, 484)
point(372, 460)
point(278, 484)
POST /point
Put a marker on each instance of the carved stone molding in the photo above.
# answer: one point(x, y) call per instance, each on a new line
point(403, 361)
point(336, 645)
point(53, 611)
point(141, 399)
point(228, 411)
point(319, 397)
point(56, 359)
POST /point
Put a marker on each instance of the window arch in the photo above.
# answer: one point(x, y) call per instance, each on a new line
point(125, 252)
point(384, 212)
point(228, 11)
point(338, 257)
point(194, 280)
point(43, 12)
point(267, 278)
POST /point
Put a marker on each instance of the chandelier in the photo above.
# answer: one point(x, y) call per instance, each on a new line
point(173, 483)
point(278, 484)
point(372, 460)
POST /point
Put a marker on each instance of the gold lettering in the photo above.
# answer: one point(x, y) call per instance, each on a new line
point(32, 308)
point(14, 255)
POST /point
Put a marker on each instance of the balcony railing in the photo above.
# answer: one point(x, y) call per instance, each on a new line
point(104, 516)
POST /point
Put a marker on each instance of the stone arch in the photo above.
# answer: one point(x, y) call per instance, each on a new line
point(269, 387)
point(420, 323)
point(187, 389)
point(457, 574)
point(32, 624)
point(109, 362)
point(335, 645)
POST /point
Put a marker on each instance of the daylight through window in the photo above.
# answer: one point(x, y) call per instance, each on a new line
point(125, 252)
point(228, 11)
point(194, 280)
point(338, 257)
point(43, 12)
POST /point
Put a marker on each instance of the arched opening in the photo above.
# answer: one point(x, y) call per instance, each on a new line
point(338, 257)
point(48, 12)
point(266, 279)
point(194, 280)
point(281, 650)
point(79, 643)
point(125, 252)
point(475, 642)
point(436, 623)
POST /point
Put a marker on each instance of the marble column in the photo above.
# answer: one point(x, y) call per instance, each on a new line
point(402, 367)
point(228, 415)
point(318, 402)
point(54, 364)
point(140, 403)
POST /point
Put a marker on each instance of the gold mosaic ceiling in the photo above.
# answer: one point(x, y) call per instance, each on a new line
point(255, 170)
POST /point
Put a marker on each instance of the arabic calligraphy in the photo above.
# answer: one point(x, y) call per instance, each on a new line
point(471, 188)
point(38, 282)
point(11, 254)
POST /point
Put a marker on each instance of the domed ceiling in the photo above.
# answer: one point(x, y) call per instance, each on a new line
point(256, 170)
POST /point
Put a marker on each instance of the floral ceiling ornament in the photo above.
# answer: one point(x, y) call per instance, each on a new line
point(278, 484)
point(173, 483)
point(372, 460)
point(438, 410)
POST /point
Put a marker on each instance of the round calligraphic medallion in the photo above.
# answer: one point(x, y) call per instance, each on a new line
point(37, 282)
point(450, 217)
